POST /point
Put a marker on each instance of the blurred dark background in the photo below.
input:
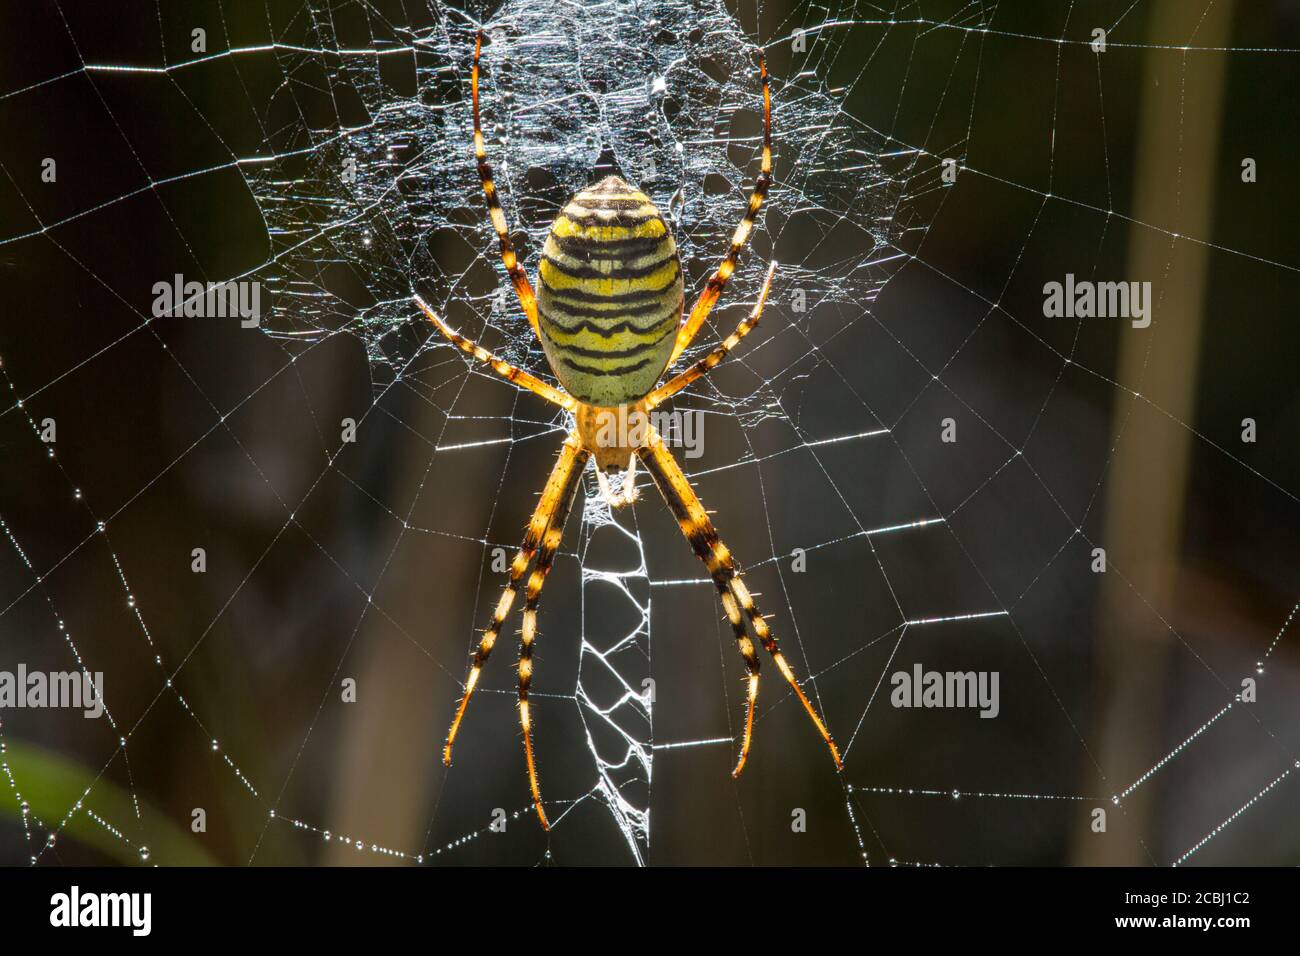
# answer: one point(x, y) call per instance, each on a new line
point(191, 433)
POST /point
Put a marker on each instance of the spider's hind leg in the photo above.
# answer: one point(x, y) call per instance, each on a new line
point(709, 362)
point(513, 375)
point(718, 281)
point(518, 278)
point(736, 599)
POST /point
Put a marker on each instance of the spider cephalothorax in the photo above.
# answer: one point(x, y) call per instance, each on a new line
point(610, 321)
point(614, 436)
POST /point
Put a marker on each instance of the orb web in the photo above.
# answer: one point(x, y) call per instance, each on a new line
point(341, 134)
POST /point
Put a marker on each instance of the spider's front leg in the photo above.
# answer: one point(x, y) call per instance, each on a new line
point(699, 531)
point(552, 506)
point(545, 559)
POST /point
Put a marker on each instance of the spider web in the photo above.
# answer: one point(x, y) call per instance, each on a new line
point(322, 150)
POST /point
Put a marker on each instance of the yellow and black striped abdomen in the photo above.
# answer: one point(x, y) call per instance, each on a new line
point(609, 295)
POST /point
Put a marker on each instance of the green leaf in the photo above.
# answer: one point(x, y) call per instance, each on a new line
point(52, 785)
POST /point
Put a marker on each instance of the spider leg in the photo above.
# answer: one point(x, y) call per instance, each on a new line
point(512, 374)
point(718, 281)
point(545, 559)
point(699, 531)
point(519, 278)
point(714, 358)
point(563, 479)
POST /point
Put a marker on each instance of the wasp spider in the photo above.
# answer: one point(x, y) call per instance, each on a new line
point(610, 320)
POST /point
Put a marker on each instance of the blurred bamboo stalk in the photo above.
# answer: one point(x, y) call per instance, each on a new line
point(385, 776)
point(1174, 189)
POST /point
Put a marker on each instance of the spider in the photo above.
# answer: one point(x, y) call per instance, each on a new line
point(610, 321)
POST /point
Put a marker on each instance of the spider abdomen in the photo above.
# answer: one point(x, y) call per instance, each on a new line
point(610, 295)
